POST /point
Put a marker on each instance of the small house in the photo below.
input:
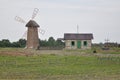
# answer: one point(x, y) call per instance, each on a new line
point(78, 41)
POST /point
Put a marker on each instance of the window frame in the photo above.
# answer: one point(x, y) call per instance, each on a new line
point(85, 43)
point(72, 43)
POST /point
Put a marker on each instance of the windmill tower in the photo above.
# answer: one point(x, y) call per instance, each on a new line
point(32, 31)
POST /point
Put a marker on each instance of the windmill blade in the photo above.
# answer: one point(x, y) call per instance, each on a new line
point(35, 13)
point(24, 35)
point(19, 19)
point(41, 31)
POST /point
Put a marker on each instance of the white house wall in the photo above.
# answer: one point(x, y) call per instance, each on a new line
point(88, 44)
point(68, 44)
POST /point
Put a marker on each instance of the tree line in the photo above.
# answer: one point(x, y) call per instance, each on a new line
point(7, 43)
point(109, 44)
point(21, 43)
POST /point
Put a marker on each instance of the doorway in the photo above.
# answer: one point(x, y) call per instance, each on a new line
point(78, 44)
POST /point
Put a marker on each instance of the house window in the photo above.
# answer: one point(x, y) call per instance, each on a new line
point(73, 43)
point(85, 43)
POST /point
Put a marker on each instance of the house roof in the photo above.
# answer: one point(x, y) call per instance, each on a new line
point(32, 23)
point(75, 36)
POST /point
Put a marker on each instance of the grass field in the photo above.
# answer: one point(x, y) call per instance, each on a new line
point(59, 65)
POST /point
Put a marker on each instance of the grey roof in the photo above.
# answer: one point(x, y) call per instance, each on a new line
point(32, 23)
point(75, 36)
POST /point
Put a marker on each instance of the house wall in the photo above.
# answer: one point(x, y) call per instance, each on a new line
point(89, 42)
point(68, 44)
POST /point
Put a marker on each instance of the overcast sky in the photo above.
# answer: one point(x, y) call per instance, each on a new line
point(56, 17)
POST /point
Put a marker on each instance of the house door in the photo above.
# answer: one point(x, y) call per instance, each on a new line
point(78, 44)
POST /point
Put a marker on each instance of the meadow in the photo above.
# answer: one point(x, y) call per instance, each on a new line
point(59, 64)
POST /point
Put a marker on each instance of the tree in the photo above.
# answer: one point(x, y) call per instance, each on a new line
point(51, 42)
point(43, 43)
point(15, 44)
point(5, 43)
point(60, 43)
point(22, 42)
point(1, 44)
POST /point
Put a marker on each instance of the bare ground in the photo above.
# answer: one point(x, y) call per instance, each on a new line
point(29, 52)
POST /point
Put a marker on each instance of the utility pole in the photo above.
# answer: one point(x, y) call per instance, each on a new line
point(77, 29)
point(107, 41)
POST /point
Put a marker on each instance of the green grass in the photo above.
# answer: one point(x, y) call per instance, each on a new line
point(60, 65)
point(56, 67)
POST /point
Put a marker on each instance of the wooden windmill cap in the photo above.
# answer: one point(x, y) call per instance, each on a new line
point(32, 23)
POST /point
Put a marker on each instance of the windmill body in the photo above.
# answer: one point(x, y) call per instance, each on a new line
point(32, 31)
point(32, 35)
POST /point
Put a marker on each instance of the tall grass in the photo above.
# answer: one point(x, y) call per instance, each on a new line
point(56, 67)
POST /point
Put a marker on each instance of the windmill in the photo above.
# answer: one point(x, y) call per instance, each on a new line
point(32, 30)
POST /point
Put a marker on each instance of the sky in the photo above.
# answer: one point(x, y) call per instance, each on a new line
point(56, 17)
